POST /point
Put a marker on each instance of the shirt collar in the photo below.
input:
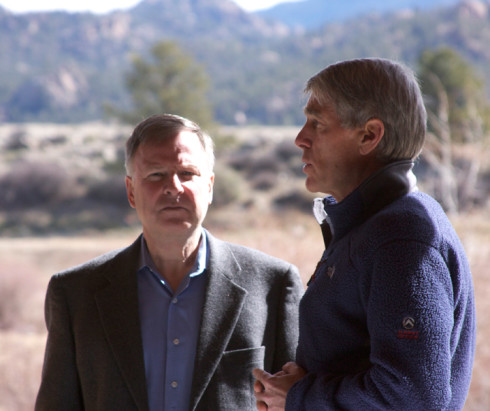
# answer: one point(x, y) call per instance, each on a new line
point(198, 267)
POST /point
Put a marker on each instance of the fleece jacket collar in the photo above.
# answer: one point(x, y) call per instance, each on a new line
point(376, 192)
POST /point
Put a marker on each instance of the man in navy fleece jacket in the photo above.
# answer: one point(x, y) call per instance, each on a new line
point(388, 319)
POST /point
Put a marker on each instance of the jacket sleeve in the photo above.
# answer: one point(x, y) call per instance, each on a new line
point(288, 319)
point(60, 387)
point(410, 365)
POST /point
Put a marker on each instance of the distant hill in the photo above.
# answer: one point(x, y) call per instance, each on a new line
point(311, 14)
point(62, 67)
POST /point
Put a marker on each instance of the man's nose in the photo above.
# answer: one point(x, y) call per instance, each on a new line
point(302, 140)
point(173, 185)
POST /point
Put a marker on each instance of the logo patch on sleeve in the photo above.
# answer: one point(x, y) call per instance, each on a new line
point(408, 332)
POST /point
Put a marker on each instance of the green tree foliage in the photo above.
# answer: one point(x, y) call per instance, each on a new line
point(445, 75)
point(458, 113)
point(169, 81)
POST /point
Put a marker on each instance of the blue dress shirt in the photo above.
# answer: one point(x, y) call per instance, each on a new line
point(170, 330)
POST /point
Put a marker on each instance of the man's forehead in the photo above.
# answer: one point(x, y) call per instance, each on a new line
point(315, 109)
point(312, 109)
point(160, 136)
point(184, 141)
point(156, 153)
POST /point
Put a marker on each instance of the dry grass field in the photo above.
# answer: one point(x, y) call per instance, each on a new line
point(27, 263)
point(265, 168)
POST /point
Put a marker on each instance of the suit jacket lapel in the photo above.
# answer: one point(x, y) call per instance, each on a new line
point(222, 306)
point(119, 314)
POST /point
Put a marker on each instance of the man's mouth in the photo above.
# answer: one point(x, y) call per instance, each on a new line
point(306, 166)
point(172, 207)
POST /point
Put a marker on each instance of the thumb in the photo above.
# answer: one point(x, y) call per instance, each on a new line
point(292, 368)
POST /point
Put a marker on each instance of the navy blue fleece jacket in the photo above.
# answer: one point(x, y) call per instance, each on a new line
point(388, 319)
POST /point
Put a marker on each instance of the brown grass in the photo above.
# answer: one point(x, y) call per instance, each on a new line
point(28, 264)
point(474, 231)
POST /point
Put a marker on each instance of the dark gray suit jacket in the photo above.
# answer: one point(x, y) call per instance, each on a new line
point(94, 355)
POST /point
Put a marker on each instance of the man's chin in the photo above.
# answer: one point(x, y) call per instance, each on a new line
point(171, 223)
point(176, 224)
point(311, 186)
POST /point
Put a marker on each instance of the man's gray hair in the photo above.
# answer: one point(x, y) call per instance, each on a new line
point(162, 126)
point(363, 89)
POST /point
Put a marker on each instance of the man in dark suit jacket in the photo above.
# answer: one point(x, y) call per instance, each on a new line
point(227, 309)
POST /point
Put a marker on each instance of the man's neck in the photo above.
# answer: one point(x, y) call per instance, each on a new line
point(174, 256)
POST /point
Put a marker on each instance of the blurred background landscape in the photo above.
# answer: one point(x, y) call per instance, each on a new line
point(73, 85)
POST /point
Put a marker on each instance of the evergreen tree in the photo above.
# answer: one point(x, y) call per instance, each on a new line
point(169, 81)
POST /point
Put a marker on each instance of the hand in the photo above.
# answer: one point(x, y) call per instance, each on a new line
point(271, 390)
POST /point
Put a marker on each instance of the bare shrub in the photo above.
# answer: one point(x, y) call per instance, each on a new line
point(286, 150)
point(296, 200)
point(265, 181)
point(26, 222)
point(240, 160)
point(229, 186)
point(111, 190)
point(254, 162)
point(31, 184)
point(16, 141)
point(267, 162)
point(55, 140)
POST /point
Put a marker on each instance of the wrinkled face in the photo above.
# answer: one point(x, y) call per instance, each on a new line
point(330, 152)
point(171, 185)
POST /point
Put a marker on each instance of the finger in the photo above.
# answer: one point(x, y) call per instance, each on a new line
point(261, 406)
point(260, 375)
point(258, 386)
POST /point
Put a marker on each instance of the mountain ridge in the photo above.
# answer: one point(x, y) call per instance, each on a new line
point(62, 67)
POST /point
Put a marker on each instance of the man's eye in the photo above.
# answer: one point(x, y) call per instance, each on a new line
point(315, 123)
point(318, 126)
point(155, 176)
point(187, 174)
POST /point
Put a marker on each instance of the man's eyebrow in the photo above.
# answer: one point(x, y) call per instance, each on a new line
point(151, 163)
point(311, 111)
point(188, 165)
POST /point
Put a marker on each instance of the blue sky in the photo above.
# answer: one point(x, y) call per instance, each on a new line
point(103, 6)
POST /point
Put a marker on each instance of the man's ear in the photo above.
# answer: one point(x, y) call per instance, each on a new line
point(211, 188)
point(129, 191)
point(373, 132)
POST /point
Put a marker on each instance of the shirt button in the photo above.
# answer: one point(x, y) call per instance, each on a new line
point(174, 301)
point(176, 341)
point(174, 384)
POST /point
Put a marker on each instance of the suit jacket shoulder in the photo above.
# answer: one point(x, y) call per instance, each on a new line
point(94, 336)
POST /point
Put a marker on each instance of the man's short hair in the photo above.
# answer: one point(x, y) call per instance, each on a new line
point(162, 126)
point(362, 89)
